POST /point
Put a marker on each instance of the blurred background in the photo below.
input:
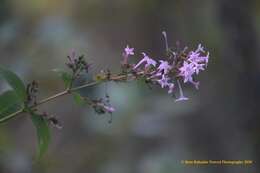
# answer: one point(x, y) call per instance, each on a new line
point(150, 133)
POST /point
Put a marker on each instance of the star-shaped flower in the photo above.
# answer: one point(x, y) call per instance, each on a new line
point(163, 81)
point(129, 51)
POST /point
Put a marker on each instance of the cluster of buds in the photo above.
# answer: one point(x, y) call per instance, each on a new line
point(77, 64)
point(176, 67)
point(31, 92)
point(102, 106)
point(52, 120)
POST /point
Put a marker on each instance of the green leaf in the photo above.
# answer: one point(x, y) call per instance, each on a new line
point(43, 133)
point(15, 82)
point(66, 77)
point(78, 98)
point(9, 103)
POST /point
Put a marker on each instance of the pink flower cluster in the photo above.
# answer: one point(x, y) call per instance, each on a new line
point(195, 63)
point(170, 71)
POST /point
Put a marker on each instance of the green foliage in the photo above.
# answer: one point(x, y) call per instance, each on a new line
point(13, 100)
point(66, 77)
point(9, 103)
point(43, 133)
point(15, 82)
point(79, 100)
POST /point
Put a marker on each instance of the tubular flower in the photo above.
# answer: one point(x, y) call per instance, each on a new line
point(109, 109)
point(164, 67)
point(147, 60)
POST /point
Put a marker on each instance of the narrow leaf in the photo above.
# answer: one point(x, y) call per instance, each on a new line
point(43, 133)
point(15, 82)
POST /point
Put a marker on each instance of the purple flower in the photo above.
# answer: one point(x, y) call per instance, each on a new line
point(181, 97)
point(164, 67)
point(196, 57)
point(163, 81)
point(197, 66)
point(195, 63)
point(129, 51)
point(186, 71)
point(147, 60)
point(109, 109)
point(200, 49)
point(205, 58)
point(150, 62)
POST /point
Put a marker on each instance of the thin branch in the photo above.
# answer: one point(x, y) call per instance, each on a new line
point(8, 117)
point(63, 93)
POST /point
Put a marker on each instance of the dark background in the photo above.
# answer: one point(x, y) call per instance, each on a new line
point(150, 133)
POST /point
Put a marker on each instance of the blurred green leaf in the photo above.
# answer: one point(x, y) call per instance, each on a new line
point(9, 103)
point(43, 133)
point(78, 98)
point(15, 82)
point(66, 77)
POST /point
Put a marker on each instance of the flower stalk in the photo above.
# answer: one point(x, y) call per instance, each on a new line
point(178, 65)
